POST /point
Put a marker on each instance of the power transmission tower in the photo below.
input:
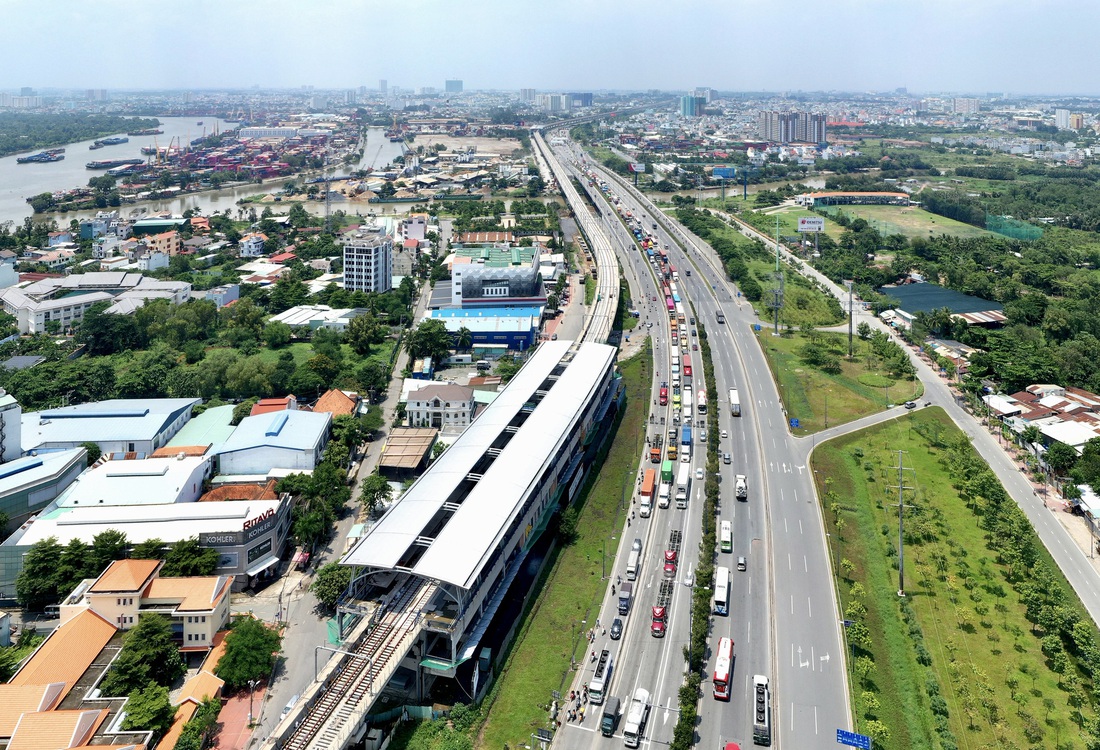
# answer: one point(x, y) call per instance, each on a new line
point(901, 488)
point(778, 289)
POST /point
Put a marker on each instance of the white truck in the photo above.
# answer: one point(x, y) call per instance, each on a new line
point(636, 718)
point(683, 486)
point(741, 487)
point(645, 506)
point(634, 560)
point(663, 495)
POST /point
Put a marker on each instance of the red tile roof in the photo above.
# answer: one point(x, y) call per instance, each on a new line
point(336, 402)
point(231, 492)
point(269, 405)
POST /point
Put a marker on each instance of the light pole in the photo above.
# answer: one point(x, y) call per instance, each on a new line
point(251, 687)
point(573, 643)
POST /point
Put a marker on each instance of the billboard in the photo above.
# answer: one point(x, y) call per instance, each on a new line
point(637, 168)
point(811, 224)
point(725, 173)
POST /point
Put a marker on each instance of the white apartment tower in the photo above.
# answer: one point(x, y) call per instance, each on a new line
point(368, 262)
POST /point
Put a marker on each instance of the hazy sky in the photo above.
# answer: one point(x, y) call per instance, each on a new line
point(1018, 46)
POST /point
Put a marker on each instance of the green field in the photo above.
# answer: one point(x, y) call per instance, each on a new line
point(819, 399)
point(956, 662)
point(908, 220)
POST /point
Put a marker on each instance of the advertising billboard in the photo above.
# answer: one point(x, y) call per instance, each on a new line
point(637, 168)
point(811, 224)
point(725, 173)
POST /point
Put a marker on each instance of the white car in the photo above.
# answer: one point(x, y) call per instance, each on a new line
point(689, 578)
point(725, 434)
point(699, 473)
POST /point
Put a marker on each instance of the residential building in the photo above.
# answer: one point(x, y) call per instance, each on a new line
point(271, 405)
point(414, 227)
point(252, 245)
point(222, 295)
point(788, 127)
point(197, 606)
point(453, 86)
point(164, 242)
point(368, 261)
point(527, 95)
point(54, 239)
point(1061, 119)
point(966, 106)
point(441, 406)
point(285, 440)
point(11, 428)
point(337, 402)
point(66, 299)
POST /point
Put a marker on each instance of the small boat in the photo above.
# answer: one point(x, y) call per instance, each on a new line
point(199, 122)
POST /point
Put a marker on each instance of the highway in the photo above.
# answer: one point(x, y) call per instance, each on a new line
point(784, 616)
point(640, 660)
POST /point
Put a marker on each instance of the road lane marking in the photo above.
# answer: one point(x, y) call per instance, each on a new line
point(805, 563)
point(789, 561)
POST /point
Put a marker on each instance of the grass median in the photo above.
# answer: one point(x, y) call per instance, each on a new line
point(573, 587)
point(973, 656)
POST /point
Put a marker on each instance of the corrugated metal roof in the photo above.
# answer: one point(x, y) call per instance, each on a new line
point(298, 430)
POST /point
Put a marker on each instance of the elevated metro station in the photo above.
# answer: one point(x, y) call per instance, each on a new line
point(434, 572)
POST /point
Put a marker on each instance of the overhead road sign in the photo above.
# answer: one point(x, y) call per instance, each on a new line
point(852, 739)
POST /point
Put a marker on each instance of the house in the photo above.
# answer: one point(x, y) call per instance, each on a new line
point(283, 257)
point(440, 406)
point(197, 606)
point(59, 238)
point(222, 295)
point(200, 225)
point(283, 440)
point(164, 242)
point(269, 405)
point(251, 245)
point(337, 402)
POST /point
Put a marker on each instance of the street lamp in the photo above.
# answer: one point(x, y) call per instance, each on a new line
point(251, 687)
point(573, 643)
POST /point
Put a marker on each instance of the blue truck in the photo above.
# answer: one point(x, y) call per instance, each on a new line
point(685, 436)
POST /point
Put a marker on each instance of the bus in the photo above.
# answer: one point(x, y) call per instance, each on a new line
point(727, 536)
point(723, 666)
point(735, 403)
point(701, 404)
point(670, 305)
point(722, 591)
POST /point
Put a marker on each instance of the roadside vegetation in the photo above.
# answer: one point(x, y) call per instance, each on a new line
point(20, 131)
point(569, 592)
point(820, 386)
point(990, 646)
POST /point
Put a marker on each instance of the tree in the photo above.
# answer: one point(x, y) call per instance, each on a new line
point(74, 566)
point(151, 549)
point(149, 709)
point(187, 558)
point(465, 339)
point(94, 451)
point(863, 330)
point(36, 584)
point(374, 492)
point(373, 377)
point(567, 529)
point(108, 546)
point(249, 650)
point(148, 655)
point(242, 410)
point(329, 583)
point(362, 332)
point(277, 335)
point(1061, 458)
point(429, 339)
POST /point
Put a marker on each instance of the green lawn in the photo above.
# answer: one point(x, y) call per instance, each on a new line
point(803, 303)
point(908, 220)
point(589, 290)
point(819, 399)
point(572, 591)
point(956, 658)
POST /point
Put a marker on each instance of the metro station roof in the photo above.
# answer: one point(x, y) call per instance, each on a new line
point(461, 548)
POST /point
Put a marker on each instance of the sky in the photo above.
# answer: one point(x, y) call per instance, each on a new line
point(928, 46)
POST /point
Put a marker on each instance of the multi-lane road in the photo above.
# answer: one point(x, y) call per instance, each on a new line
point(783, 614)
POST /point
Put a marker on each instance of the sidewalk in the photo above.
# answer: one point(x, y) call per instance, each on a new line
point(235, 732)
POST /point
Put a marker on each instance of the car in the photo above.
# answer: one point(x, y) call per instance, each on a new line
point(702, 436)
point(689, 578)
point(649, 324)
point(693, 333)
point(699, 472)
point(726, 458)
point(742, 563)
point(616, 629)
point(725, 434)
point(672, 434)
point(694, 347)
point(910, 404)
point(692, 321)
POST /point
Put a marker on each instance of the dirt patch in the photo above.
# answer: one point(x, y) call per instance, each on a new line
point(502, 146)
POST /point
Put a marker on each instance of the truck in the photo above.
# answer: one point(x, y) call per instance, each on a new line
point(660, 610)
point(683, 486)
point(672, 554)
point(735, 403)
point(762, 711)
point(673, 452)
point(666, 472)
point(741, 487)
point(601, 679)
point(649, 484)
point(636, 718)
point(664, 494)
point(655, 455)
point(633, 560)
point(664, 394)
point(685, 435)
point(626, 597)
point(610, 718)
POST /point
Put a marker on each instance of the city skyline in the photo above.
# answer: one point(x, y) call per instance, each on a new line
point(848, 45)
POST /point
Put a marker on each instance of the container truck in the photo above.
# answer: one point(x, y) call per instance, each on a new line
point(735, 403)
point(636, 718)
point(672, 553)
point(634, 560)
point(660, 610)
point(683, 486)
point(685, 435)
point(741, 487)
point(649, 483)
point(762, 711)
point(666, 472)
point(626, 597)
point(664, 495)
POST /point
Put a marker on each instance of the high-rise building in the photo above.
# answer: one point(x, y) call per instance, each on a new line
point(967, 106)
point(687, 106)
point(785, 127)
point(1076, 122)
point(351, 96)
point(383, 85)
point(368, 261)
point(1061, 119)
point(96, 95)
point(527, 95)
point(581, 100)
point(26, 91)
point(705, 93)
point(554, 102)
point(453, 86)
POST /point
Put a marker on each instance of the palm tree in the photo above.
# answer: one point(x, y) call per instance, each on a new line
point(465, 339)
